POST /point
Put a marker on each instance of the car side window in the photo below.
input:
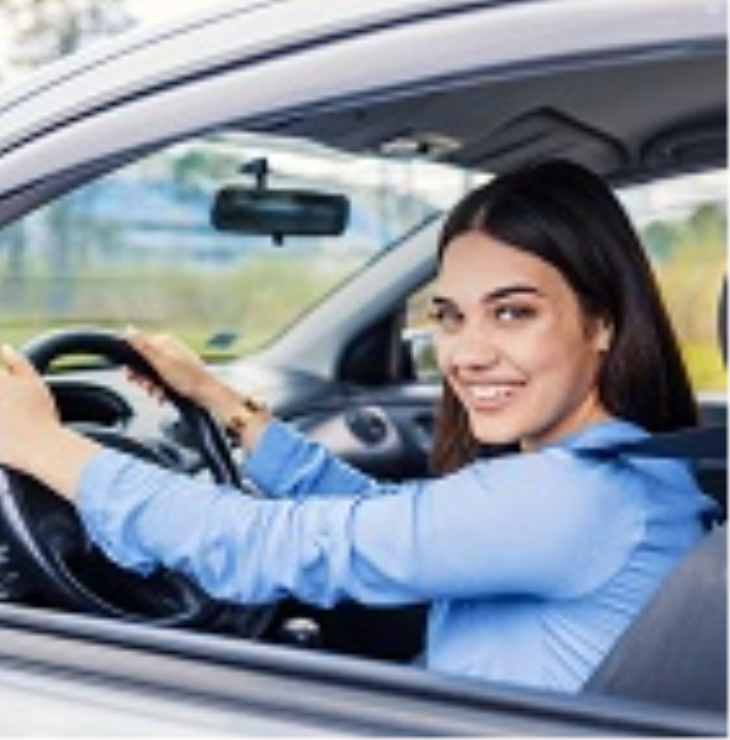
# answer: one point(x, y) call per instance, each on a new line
point(418, 338)
point(683, 223)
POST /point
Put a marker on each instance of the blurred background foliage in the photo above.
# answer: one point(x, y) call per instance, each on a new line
point(36, 32)
point(690, 258)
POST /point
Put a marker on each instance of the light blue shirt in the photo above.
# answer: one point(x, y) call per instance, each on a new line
point(533, 563)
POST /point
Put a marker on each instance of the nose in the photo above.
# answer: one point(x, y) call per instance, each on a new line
point(473, 348)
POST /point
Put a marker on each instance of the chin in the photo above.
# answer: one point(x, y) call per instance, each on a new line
point(495, 433)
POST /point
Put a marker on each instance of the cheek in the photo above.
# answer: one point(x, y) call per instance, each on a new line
point(569, 359)
point(551, 350)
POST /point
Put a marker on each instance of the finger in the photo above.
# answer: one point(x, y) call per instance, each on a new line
point(6, 360)
point(144, 346)
point(150, 387)
point(14, 362)
point(135, 338)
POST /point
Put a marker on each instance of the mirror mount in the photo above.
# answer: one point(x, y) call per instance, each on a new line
point(262, 211)
point(259, 168)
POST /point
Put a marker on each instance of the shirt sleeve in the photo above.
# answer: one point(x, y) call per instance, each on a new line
point(285, 463)
point(483, 531)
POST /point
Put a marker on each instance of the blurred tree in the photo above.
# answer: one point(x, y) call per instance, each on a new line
point(39, 31)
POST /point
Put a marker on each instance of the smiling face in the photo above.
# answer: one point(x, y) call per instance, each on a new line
point(514, 345)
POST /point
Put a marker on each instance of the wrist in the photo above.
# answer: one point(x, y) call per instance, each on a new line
point(242, 416)
point(245, 413)
point(57, 458)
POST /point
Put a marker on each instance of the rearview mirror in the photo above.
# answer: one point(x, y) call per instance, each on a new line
point(279, 213)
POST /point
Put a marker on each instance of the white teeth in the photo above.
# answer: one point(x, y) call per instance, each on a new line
point(489, 394)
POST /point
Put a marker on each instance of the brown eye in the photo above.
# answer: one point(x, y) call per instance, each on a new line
point(445, 318)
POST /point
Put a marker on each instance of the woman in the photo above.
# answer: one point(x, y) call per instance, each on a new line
point(552, 340)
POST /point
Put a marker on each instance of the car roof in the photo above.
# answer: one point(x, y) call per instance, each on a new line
point(530, 80)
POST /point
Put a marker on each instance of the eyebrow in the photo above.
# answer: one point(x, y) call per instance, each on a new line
point(498, 294)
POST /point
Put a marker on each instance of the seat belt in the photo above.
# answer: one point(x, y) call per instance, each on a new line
point(705, 444)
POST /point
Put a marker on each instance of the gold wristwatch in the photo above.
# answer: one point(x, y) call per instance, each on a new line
point(246, 409)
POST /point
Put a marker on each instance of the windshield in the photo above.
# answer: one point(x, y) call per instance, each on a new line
point(136, 247)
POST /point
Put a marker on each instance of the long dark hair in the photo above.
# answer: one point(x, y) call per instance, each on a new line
point(569, 217)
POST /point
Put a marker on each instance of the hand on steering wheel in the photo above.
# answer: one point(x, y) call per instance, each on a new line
point(45, 538)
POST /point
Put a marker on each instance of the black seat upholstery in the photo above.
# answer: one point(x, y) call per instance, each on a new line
point(676, 651)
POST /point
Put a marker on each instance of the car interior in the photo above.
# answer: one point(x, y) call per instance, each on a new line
point(356, 373)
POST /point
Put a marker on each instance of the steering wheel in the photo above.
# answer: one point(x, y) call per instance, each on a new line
point(46, 541)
